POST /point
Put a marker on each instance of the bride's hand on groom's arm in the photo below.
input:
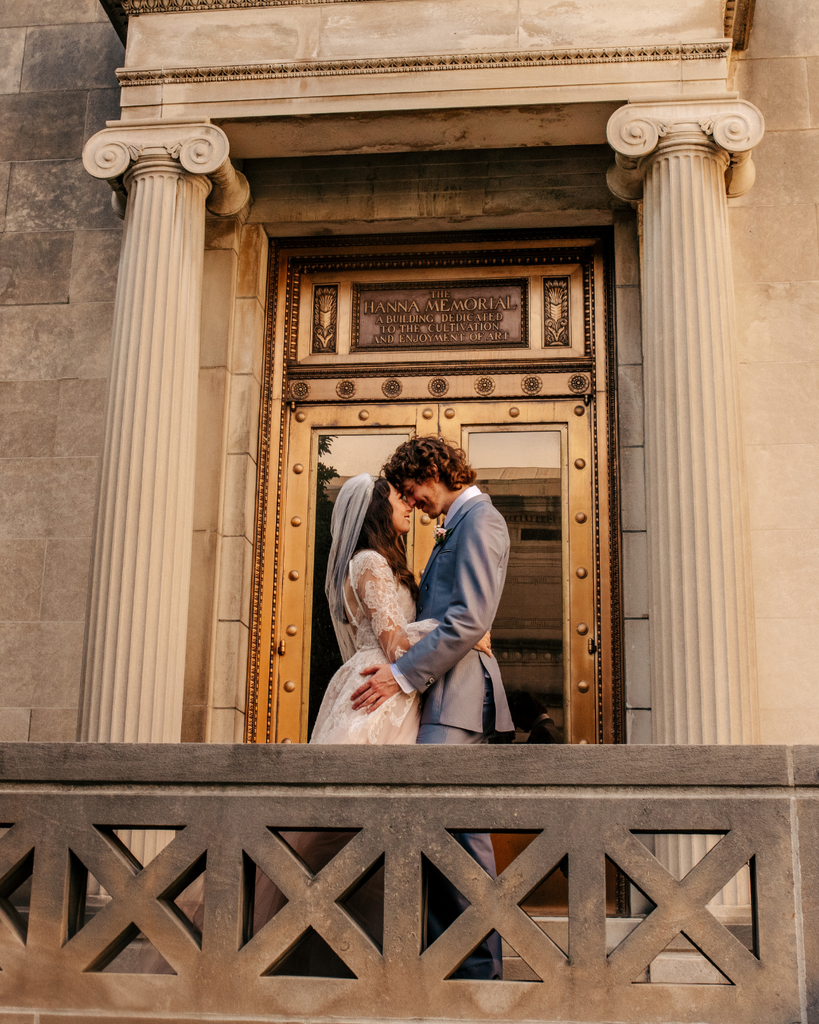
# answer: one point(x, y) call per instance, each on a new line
point(379, 687)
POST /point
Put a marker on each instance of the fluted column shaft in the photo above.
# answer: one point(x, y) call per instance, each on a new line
point(701, 627)
point(135, 643)
point(681, 158)
point(136, 638)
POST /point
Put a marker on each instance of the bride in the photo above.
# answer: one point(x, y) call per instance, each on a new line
point(371, 592)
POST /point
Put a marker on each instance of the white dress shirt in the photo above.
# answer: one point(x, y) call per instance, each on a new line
point(470, 492)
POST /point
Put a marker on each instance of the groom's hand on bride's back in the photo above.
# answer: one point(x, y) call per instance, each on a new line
point(380, 686)
point(484, 645)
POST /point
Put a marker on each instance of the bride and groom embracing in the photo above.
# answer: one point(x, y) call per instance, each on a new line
point(418, 665)
point(425, 680)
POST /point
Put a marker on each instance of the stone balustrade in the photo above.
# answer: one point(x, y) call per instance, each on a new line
point(64, 808)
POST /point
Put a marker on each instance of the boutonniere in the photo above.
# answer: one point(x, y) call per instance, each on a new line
point(441, 535)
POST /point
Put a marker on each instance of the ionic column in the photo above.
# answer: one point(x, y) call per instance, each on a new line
point(135, 646)
point(683, 159)
point(680, 155)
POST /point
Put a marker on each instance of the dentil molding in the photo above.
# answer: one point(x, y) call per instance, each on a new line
point(199, 147)
point(714, 50)
point(637, 130)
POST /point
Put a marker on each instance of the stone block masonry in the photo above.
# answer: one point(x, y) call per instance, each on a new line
point(59, 247)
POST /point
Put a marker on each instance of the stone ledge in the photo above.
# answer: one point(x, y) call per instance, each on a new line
point(519, 766)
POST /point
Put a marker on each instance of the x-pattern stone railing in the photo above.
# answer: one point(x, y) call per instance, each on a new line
point(63, 806)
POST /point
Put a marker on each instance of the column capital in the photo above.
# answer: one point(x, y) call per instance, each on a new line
point(638, 130)
point(199, 147)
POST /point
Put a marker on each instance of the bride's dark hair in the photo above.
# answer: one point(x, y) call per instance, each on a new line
point(379, 534)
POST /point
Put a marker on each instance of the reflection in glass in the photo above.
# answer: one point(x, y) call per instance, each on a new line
point(520, 470)
point(340, 456)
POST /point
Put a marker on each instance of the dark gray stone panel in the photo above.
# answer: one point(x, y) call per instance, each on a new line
point(80, 416)
point(21, 570)
point(452, 183)
point(5, 173)
point(808, 811)
point(42, 126)
point(806, 765)
point(57, 195)
point(53, 725)
point(12, 46)
point(44, 498)
point(49, 12)
point(103, 105)
point(65, 580)
point(54, 342)
point(28, 418)
point(50, 678)
point(34, 268)
point(94, 265)
point(71, 57)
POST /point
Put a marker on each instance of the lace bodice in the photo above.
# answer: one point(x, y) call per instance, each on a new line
point(380, 609)
point(381, 613)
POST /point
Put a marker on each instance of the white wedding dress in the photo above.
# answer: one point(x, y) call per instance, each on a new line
point(381, 612)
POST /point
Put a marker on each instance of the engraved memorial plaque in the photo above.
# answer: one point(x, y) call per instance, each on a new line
point(440, 315)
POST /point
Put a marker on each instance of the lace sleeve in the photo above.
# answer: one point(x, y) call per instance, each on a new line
point(418, 630)
point(375, 587)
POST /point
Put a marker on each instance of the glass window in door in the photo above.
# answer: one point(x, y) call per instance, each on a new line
point(521, 471)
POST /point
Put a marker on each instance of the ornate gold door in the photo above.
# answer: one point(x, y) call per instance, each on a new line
point(534, 460)
point(362, 355)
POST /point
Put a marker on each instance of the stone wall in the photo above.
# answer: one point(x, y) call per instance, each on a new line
point(230, 372)
point(631, 423)
point(59, 246)
point(776, 266)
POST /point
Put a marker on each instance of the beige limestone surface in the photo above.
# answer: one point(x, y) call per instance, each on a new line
point(381, 55)
point(776, 270)
point(283, 94)
point(234, 290)
point(381, 28)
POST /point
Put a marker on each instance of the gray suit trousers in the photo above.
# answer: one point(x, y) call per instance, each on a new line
point(444, 902)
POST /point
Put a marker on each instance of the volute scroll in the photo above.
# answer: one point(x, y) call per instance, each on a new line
point(637, 130)
point(200, 148)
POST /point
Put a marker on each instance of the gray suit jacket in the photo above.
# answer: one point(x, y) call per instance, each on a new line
point(461, 587)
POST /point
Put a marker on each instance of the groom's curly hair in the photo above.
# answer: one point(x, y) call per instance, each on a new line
point(421, 458)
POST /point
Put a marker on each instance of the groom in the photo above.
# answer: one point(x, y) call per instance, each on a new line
point(464, 699)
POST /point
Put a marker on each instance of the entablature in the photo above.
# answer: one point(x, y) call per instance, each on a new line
point(278, 59)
